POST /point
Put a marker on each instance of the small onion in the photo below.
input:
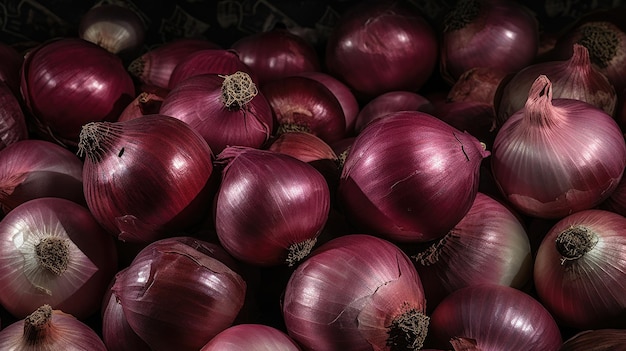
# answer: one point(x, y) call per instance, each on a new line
point(270, 207)
point(410, 177)
point(356, 292)
point(46, 329)
point(116, 28)
point(178, 293)
point(35, 168)
point(146, 177)
point(251, 337)
point(53, 251)
point(596, 340)
point(145, 103)
point(478, 84)
point(12, 121)
point(557, 156)
point(490, 317)
point(226, 110)
point(580, 270)
point(216, 61)
point(389, 102)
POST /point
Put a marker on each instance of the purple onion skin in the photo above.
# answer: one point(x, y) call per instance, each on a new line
point(251, 337)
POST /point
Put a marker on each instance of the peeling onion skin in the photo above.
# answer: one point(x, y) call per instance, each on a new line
point(493, 318)
point(12, 121)
point(350, 293)
point(584, 288)
point(251, 337)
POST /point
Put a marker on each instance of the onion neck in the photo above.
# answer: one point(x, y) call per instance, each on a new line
point(602, 41)
point(574, 242)
point(96, 138)
point(463, 13)
point(53, 254)
point(538, 110)
point(298, 251)
point(408, 330)
point(38, 326)
point(580, 62)
point(238, 90)
point(137, 67)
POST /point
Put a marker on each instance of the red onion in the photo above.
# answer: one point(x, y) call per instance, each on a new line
point(557, 156)
point(575, 78)
point(580, 270)
point(490, 317)
point(54, 252)
point(69, 82)
point(382, 46)
point(489, 245)
point(596, 340)
point(146, 177)
point(270, 207)
point(145, 103)
point(10, 64)
point(356, 292)
point(276, 54)
point(226, 110)
point(304, 104)
point(474, 117)
point(116, 28)
point(410, 177)
point(155, 67)
point(12, 122)
point(306, 147)
point(46, 329)
point(178, 293)
point(389, 102)
point(478, 84)
point(251, 337)
point(34, 168)
point(216, 61)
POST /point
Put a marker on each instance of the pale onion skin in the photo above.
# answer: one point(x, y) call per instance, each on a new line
point(496, 318)
point(251, 337)
point(116, 28)
point(587, 292)
point(64, 332)
point(348, 292)
point(557, 156)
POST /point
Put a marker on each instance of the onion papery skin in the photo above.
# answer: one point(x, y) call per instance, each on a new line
point(276, 54)
point(575, 78)
point(251, 337)
point(478, 84)
point(351, 293)
point(116, 28)
point(386, 103)
point(304, 104)
point(199, 101)
point(368, 49)
point(410, 177)
point(58, 331)
point(585, 290)
point(489, 245)
point(77, 282)
point(33, 168)
point(147, 177)
point(501, 34)
point(68, 82)
point(494, 317)
point(215, 61)
point(557, 156)
point(270, 207)
point(178, 293)
point(596, 340)
point(12, 121)
point(155, 66)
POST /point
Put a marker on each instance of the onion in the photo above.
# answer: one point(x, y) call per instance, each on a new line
point(276, 54)
point(52, 251)
point(178, 293)
point(225, 110)
point(69, 82)
point(146, 177)
point(33, 168)
point(501, 34)
point(155, 67)
point(489, 245)
point(356, 292)
point(478, 84)
point(270, 207)
point(216, 61)
point(305, 105)
point(46, 329)
point(251, 337)
point(596, 340)
point(306, 147)
point(575, 78)
point(476, 118)
point(389, 102)
point(490, 317)
point(382, 46)
point(12, 121)
point(116, 28)
point(580, 270)
point(410, 177)
point(145, 103)
point(10, 64)
point(557, 156)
